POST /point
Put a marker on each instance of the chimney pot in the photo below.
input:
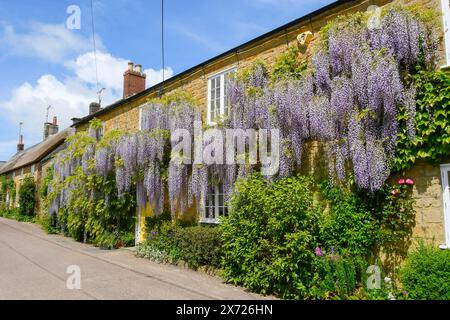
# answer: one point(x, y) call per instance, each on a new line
point(20, 145)
point(94, 107)
point(133, 80)
point(138, 68)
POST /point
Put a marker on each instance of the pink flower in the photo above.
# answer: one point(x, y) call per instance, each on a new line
point(410, 182)
point(319, 252)
point(395, 193)
point(401, 182)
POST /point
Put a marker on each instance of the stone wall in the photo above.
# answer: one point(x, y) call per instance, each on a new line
point(427, 192)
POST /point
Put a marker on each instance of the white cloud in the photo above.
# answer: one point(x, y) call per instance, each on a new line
point(71, 96)
point(110, 69)
point(50, 42)
point(156, 76)
point(28, 103)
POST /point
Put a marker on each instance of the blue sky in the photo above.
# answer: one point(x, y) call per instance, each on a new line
point(43, 63)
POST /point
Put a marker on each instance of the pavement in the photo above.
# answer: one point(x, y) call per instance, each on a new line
point(35, 265)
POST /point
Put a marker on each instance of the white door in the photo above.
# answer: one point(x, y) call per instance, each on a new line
point(445, 173)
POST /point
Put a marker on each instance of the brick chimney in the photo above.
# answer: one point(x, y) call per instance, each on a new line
point(51, 128)
point(133, 80)
point(20, 145)
point(94, 107)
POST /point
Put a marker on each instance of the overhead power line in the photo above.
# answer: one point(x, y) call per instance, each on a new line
point(95, 47)
point(162, 47)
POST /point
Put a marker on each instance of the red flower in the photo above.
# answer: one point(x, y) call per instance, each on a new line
point(401, 182)
point(410, 182)
point(319, 252)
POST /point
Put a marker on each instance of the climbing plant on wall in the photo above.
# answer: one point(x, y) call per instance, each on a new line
point(432, 122)
point(83, 196)
point(360, 79)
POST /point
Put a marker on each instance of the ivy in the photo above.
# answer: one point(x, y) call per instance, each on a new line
point(289, 65)
point(432, 122)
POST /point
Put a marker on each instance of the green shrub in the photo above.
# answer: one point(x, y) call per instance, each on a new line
point(347, 225)
point(199, 246)
point(426, 274)
point(148, 251)
point(335, 277)
point(270, 235)
point(172, 242)
point(27, 197)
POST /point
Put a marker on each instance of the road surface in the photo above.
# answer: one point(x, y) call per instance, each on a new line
point(34, 265)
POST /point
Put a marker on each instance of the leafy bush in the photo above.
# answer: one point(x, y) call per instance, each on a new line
point(347, 225)
point(148, 251)
point(426, 274)
point(199, 246)
point(335, 277)
point(277, 233)
point(27, 197)
point(170, 242)
point(270, 235)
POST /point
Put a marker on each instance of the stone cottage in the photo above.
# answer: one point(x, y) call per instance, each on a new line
point(34, 161)
point(206, 83)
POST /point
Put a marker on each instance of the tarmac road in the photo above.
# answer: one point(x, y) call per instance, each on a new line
point(33, 265)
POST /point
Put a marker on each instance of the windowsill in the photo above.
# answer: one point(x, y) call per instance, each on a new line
point(209, 221)
point(444, 247)
point(445, 68)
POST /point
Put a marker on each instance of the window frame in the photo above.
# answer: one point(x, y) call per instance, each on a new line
point(445, 171)
point(222, 104)
point(140, 118)
point(217, 206)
